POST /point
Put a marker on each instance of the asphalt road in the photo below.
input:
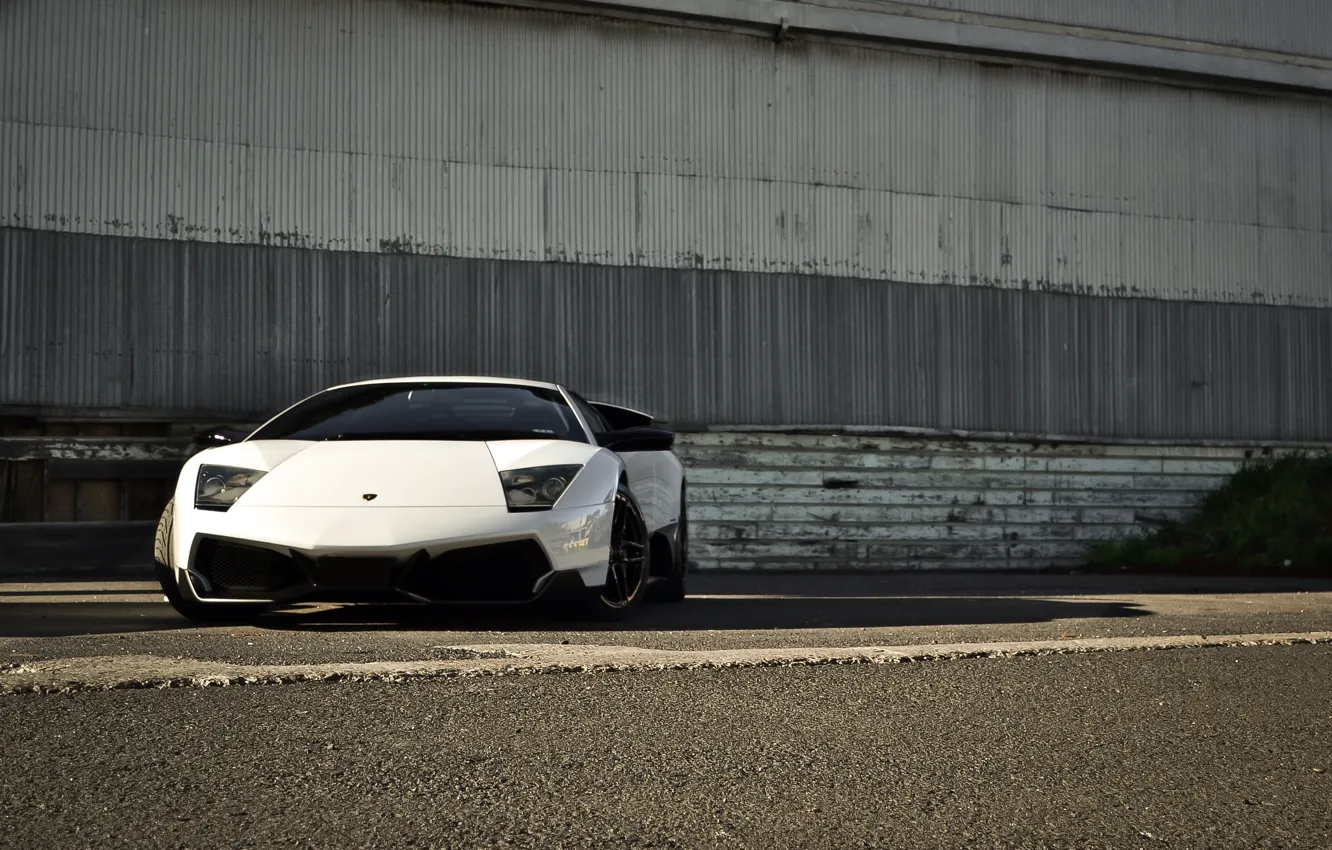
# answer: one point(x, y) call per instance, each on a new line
point(53, 620)
point(1073, 733)
point(1225, 748)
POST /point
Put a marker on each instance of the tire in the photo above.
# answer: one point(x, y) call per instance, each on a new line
point(672, 588)
point(191, 609)
point(162, 539)
point(630, 562)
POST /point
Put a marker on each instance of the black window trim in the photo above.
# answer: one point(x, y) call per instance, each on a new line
point(582, 407)
point(560, 391)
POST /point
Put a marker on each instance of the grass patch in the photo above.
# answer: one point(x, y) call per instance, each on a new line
point(1272, 517)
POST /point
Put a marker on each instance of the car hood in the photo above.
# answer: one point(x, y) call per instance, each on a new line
point(382, 473)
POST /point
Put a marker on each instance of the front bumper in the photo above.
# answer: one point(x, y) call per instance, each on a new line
point(436, 555)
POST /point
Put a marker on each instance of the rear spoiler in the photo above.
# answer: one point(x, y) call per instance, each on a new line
point(619, 418)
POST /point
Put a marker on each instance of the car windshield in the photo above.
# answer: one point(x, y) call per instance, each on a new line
point(428, 411)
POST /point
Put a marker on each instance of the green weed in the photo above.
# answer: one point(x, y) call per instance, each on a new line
point(1273, 516)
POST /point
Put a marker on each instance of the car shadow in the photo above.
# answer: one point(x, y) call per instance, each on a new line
point(78, 617)
point(747, 601)
point(706, 613)
point(717, 602)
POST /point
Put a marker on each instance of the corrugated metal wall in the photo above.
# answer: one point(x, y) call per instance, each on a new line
point(221, 205)
point(771, 501)
point(87, 321)
point(391, 126)
point(1285, 26)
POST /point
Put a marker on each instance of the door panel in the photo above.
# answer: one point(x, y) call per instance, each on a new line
point(639, 467)
point(641, 472)
point(669, 480)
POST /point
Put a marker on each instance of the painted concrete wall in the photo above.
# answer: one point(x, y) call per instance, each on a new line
point(785, 501)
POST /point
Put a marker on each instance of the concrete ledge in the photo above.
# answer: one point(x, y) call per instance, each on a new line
point(75, 550)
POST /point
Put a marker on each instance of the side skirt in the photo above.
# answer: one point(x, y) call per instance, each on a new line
point(663, 546)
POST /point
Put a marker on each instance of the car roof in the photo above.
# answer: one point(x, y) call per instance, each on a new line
point(451, 379)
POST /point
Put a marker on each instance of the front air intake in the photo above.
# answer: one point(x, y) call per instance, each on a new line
point(235, 569)
point(498, 572)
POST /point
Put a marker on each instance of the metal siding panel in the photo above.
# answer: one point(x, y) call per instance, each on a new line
point(1228, 257)
point(956, 115)
point(911, 91)
point(17, 22)
point(1010, 124)
point(460, 131)
point(16, 312)
point(1025, 260)
point(846, 97)
point(1154, 152)
point(1083, 125)
point(199, 327)
point(1286, 26)
point(787, 130)
point(1225, 158)
point(1153, 249)
point(68, 87)
point(954, 246)
point(16, 138)
point(1086, 253)
point(189, 82)
point(356, 124)
point(1293, 255)
point(1289, 151)
point(915, 228)
point(1326, 169)
point(991, 245)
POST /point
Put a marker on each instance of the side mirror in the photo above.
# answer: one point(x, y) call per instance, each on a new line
point(218, 437)
point(637, 440)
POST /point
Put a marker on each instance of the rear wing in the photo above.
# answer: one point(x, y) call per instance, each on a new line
point(619, 418)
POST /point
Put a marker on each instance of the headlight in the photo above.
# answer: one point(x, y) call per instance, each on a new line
point(218, 487)
point(538, 488)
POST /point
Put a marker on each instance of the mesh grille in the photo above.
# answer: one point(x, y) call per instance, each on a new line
point(501, 572)
point(242, 568)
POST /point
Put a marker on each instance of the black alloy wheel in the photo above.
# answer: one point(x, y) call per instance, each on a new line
point(227, 613)
point(628, 564)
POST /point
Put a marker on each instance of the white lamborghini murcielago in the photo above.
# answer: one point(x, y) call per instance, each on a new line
point(429, 490)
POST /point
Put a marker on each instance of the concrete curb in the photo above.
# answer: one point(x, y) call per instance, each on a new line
point(103, 673)
point(73, 551)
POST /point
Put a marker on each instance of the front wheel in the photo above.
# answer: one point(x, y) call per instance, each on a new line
point(628, 564)
point(191, 609)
